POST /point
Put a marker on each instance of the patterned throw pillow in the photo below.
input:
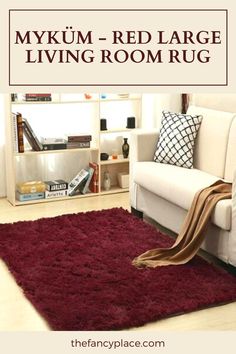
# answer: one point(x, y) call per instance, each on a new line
point(176, 141)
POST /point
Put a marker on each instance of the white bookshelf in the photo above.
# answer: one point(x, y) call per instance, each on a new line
point(113, 108)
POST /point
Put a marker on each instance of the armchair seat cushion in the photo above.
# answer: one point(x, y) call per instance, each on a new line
point(179, 185)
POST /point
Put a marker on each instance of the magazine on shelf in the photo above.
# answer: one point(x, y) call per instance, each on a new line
point(84, 187)
point(75, 183)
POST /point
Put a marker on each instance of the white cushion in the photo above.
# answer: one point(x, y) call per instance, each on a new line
point(176, 141)
point(179, 185)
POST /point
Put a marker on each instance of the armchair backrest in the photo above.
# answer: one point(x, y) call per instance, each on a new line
point(230, 164)
point(211, 144)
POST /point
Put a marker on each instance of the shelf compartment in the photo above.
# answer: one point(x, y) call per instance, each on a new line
point(111, 161)
point(54, 102)
point(110, 131)
point(52, 164)
point(116, 97)
point(114, 189)
point(117, 111)
point(113, 170)
point(31, 152)
point(36, 201)
point(119, 99)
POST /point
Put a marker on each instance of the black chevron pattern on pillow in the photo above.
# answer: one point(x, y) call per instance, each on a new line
point(176, 141)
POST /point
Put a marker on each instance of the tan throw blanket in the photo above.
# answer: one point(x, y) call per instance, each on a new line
point(191, 236)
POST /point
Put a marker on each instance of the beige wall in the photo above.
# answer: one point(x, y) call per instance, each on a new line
point(222, 102)
point(154, 104)
point(2, 154)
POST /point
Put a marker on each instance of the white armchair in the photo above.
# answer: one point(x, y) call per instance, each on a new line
point(164, 192)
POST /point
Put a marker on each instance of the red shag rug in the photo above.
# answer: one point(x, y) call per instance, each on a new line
point(76, 270)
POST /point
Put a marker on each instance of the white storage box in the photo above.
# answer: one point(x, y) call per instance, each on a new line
point(123, 179)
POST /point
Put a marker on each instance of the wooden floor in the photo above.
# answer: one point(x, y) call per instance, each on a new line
point(17, 314)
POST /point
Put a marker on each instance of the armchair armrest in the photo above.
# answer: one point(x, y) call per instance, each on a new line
point(143, 144)
point(142, 148)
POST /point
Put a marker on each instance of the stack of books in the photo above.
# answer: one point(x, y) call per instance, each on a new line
point(38, 97)
point(31, 190)
point(56, 189)
point(78, 141)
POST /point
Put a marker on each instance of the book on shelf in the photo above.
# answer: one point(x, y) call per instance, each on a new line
point(50, 140)
point(31, 136)
point(31, 187)
point(14, 132)
point(53, 143)
point(56, 194)
point(84, 187)
point(79, 138)
point(76, 181)
point(35, 94)
point(94, 183)
point(78, 145)
point(56, 185)
point(38, 99)
point(20, 134)
point(54, 146)
point(29, 196)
